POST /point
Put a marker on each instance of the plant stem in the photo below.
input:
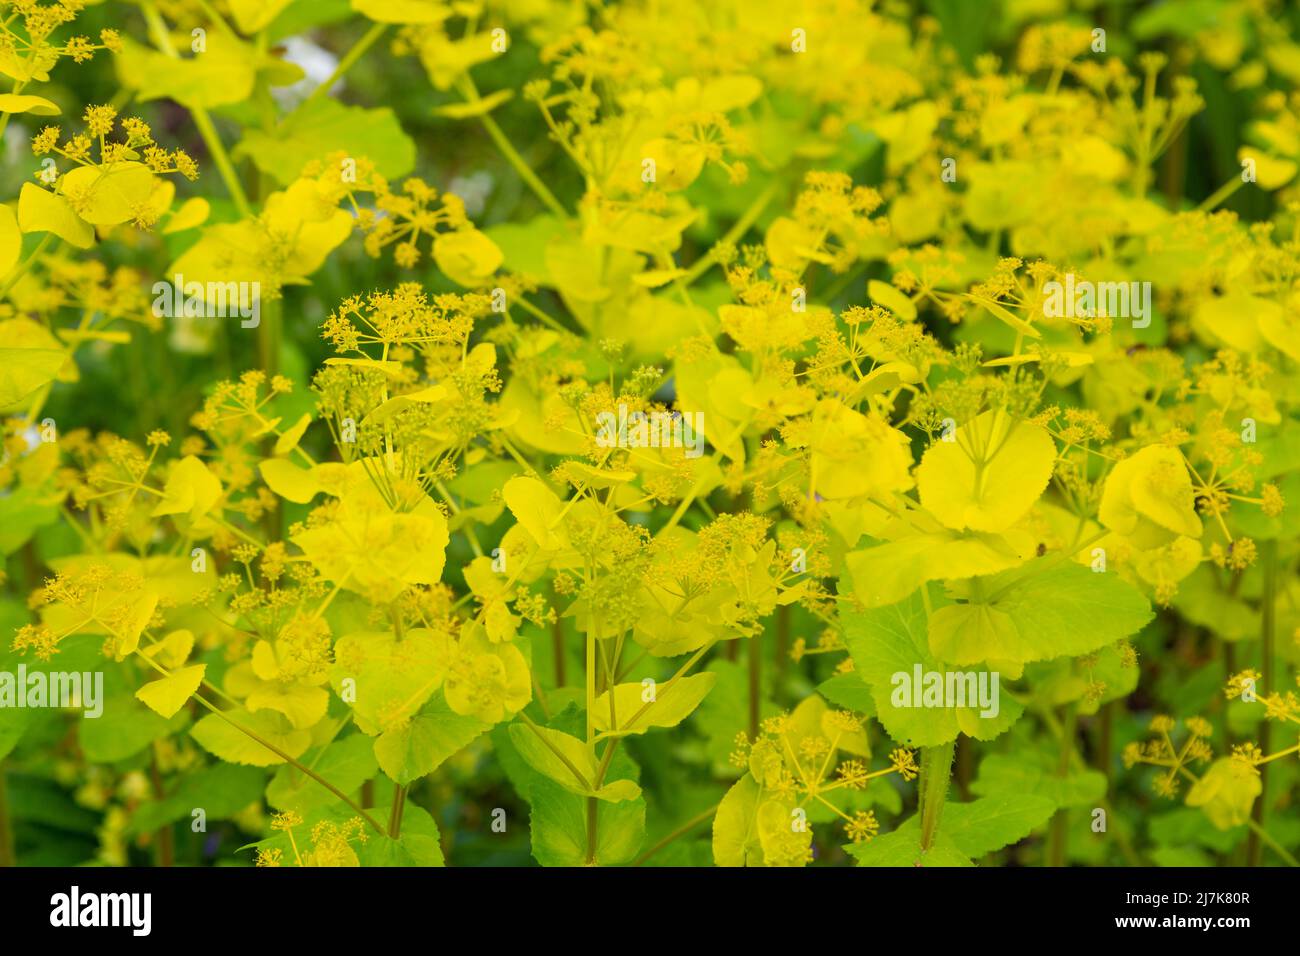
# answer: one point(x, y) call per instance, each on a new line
point(202, 121)
point(681, 831)
point(26, 264)
point(1059, 837)
point(368, 39)
point(1268, 624)
point(166, 838)
point(593, 632)
point(539, 188)
point(593, 810)
point(7, 857)
point(395, 814)
point(738, 229)
point(936, 770)
point(1265, 837)
point(755, 682)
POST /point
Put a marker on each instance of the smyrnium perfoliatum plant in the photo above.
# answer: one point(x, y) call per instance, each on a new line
point(658, 434)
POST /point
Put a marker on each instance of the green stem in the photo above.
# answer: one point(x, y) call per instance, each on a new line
point(7, 857)
point(470, 92)
point(681, 831)
point(368, 39)
point(219, 156)
point(26, 264)
point(395, 814)
point(738, 229)
point(1221, 194)
point(1257, 831)
point(202, 121)
point(755, 682)
point(1059, 837)
point(936, 771)
point(1268, 625)
point(593, 633)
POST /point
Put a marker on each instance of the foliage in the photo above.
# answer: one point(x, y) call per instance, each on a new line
point(578, 434)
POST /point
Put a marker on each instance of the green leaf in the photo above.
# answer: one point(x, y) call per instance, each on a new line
point(888, 641)
point(1065, 610)
point(421, 745)
point(558, 826)
point(902, 847)
point(346, 763)
point(556, 755)
point(1032, 771)
point(849, 691)
point(324, 127)
point(221, 791)
point(218, 737)
point(122, 730)
point(889, 572)
point(990, 823)
point(223, 74)
point(24, 511)
point(735, 842)
point(419, 843)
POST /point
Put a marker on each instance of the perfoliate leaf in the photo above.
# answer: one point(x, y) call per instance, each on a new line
point(36, 105)
point(1226, 792)
point(889, 572)
point(467, 257)
point(324, 127)
point(889, 646)
point(1064, 610)
point(40, 210)
point(990, 476)
point(368, 548)
point(191, 489)
point(538, 510)
point(420, 746)
point(110, 194)
point(11, 240)
point(1148, 497)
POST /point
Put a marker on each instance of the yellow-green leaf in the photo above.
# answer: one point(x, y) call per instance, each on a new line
point(18, 103)
point(638, 707)
point(990, 476)
point(892, 299)
point(168, 695)
point(467, 256)
point(191, 489)
point(39, 210)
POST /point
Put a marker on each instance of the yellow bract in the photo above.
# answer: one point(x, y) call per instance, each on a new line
point(990, 476)
point(368, 548)
point(468, 257)
point(854, 454)
point(1148, 497)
